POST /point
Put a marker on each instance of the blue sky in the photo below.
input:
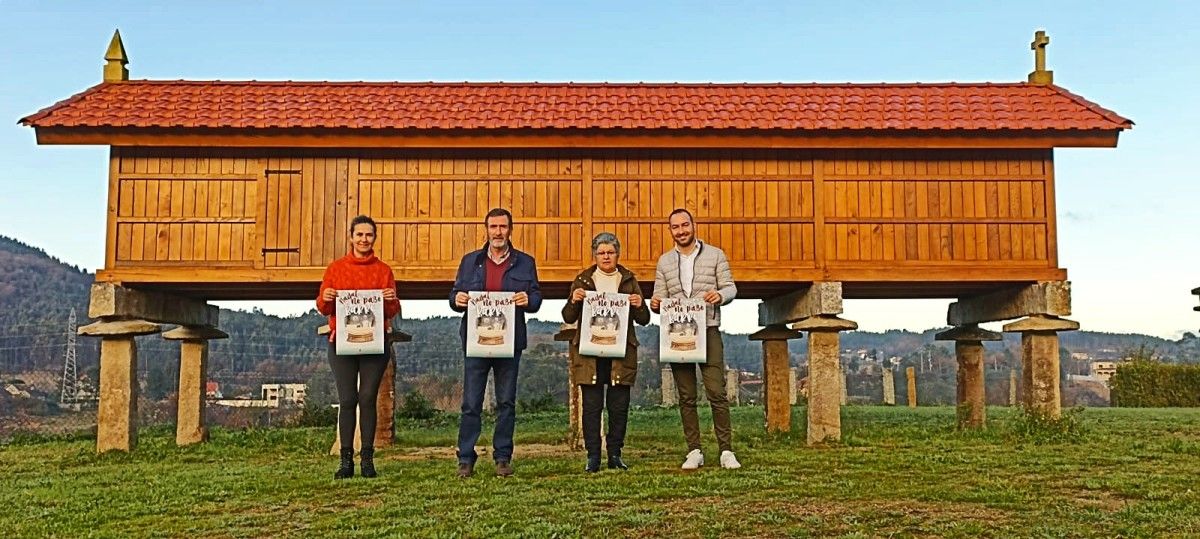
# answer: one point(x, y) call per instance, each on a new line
point(1129, 225)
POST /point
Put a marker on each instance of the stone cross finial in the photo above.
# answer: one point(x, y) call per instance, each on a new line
point(115, 60)
point(1040, 75)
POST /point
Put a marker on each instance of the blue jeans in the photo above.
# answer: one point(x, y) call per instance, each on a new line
point(475, 371)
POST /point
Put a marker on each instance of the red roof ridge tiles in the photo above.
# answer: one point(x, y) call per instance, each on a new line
point(807, 106)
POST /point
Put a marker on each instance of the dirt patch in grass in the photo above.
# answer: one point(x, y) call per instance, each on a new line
point(761, 518)
point(449, 452)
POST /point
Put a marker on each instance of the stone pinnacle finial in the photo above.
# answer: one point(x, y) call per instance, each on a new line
point(114, 67)
point(1040, 74)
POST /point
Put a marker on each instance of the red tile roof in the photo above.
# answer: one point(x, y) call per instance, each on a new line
point(471, 105)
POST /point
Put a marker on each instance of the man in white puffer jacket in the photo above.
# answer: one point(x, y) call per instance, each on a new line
point(694, 269)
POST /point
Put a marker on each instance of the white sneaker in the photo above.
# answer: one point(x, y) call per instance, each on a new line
point(728, 461)
point(695, 459)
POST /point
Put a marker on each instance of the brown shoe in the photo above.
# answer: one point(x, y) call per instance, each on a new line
point(504, 468)
point(465, 470)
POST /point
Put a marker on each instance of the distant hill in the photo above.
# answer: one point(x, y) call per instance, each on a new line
point(37, 292)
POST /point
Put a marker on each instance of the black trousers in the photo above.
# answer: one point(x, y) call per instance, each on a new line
point(357, 379)
point(618, 416)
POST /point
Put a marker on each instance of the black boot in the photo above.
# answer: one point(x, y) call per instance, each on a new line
point(368, 462)
point(346, 468)
point(615, 462)
point(593, 463)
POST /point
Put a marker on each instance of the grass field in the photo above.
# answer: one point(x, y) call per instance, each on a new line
point(897, 472)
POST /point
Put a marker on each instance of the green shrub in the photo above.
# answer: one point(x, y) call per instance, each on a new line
point(316, 415)
point(1151, 384)
point(1040, 428)
point(540, 403)
point(416, 406)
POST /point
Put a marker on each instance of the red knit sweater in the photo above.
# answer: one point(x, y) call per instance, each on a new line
point(350, 273)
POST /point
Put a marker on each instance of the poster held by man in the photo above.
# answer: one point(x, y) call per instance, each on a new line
point(682, 331)
point(490, 328)
point(360, 322)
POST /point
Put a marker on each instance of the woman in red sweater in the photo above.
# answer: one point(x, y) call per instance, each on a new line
point(358, 377)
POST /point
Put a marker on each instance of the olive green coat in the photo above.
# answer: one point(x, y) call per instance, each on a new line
point(624, 370)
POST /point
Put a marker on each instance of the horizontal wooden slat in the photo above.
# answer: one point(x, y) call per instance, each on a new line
point(165, 220)
point(193, 176)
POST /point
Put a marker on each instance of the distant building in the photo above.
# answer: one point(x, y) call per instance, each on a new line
point(284, 394)
point(273, 396)
point(1103, 370)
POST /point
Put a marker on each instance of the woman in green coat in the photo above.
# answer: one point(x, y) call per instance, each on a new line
point(605, 379)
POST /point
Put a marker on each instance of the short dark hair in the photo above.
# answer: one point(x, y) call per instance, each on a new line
point(360, 220)
point(677, 211)
point(497, 212)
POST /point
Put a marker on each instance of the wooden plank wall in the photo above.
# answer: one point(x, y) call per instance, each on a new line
point(181, 208)
point(948, 208)
point(306, 207)
point(758, 209)
point(769, 210)
point(430, 211)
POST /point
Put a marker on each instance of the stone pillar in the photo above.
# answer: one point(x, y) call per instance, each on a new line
point(845, 390)
point(889, 388)
point(385, 404)
point(779, 393)
point(190, 424)
point(1039, 354)
point(911, 375)
point(968, 350)
point(1012, 387)
point(824, 370)
point(116, 416)
point(733, 385)
point(669, 396)
point(566, 333)
point(793, 390)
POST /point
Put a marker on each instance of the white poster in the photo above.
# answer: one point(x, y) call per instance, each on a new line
point(682, 330)
point(359, 322)
point(491, 324)
point(604, 324)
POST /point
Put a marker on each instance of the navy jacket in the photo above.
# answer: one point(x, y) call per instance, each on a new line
point(521, 276)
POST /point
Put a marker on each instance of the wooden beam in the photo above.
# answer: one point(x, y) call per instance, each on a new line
point(581, 138)
point(114, 302)
point(1046, 298)
point(821, 298)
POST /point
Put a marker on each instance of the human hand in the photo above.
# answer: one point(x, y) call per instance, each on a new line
point(578, 295)
point(461, 299)
point(521, 299)
point(712, 297)
point(328, 295)
point(635, 301)
point(654, 303)
point(389, 294)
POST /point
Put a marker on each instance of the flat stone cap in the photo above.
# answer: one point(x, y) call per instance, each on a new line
point(566, 332)
point(774, 332)
point(194, 333)
point(968, 333)
point(1042, 323)
point(399, 336)
point(120, 328)
point(825, 323)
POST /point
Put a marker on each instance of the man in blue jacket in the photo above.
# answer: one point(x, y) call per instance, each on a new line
point(497, 267)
